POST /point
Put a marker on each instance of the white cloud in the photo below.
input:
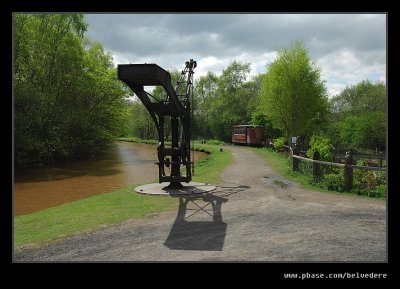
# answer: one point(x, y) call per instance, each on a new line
point(348, 48)
point(209, 63)
point(344, 67)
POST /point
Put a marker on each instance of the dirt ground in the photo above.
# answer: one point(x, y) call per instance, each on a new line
point(255, 215)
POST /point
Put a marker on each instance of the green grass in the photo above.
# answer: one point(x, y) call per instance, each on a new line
point(91, 213)
point(210, 168)
point(283, 166)
point(154, 141)
point(87, 214)
point(139, 140)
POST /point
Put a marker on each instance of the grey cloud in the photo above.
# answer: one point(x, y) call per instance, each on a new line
point(171, 39)
point(149, 34)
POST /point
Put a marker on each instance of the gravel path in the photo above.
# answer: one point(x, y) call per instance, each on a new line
point(255, 215)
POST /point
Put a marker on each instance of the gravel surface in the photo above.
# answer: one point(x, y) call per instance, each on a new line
point(255, 215)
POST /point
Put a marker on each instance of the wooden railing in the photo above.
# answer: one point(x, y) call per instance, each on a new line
point(316, 168)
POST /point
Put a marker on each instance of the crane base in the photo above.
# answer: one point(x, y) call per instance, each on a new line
point(191, 188)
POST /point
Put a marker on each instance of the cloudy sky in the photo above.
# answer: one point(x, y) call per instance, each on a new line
point(348, 48)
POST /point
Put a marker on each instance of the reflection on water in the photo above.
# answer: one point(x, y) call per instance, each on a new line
point(120, 165)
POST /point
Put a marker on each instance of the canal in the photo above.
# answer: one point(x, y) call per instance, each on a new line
point(121, 165)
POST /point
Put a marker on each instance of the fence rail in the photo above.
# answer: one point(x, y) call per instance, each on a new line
point(316, 162)
point(339, 164)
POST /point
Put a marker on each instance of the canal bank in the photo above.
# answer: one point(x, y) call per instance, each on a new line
point(121, 165)
point(56, 223)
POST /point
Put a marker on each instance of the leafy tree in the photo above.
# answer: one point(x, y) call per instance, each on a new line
point(262, 120)
point(293, 95)
point(360, 98)
point(367, 130)
point(68, 102)
point(359, 116)
point(205, 92)
point(230, 104)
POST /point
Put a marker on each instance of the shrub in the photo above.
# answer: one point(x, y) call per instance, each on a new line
point(334, 182)
point(279, 142)
point(322, 145)
point(369, 183)
point(364, 179)
point(214, 142)
point(380, 191)
point(305, 167)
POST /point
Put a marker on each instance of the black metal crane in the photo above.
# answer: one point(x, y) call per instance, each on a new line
point(176, 105)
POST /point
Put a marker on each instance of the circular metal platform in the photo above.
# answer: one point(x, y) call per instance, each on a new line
point(188, 189)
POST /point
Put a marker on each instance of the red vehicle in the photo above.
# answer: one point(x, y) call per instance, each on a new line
point(247, 135)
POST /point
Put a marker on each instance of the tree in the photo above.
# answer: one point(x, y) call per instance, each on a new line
point(230, 106)
point(68, 102)
point(360, 98)
point(293, 96)
point(205, 91)
point(367, 130)
point(262, 120)
point(359, 116)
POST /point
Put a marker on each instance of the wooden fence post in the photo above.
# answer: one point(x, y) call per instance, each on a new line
point(334, 155)
point(316, 168)
point(380, 159)
point(295, 160)
point(348, 171)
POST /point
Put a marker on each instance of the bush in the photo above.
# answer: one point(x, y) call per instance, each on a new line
point(369, 183)
point(214, 142)
point(322, 145)
point(380, 191)
point(279, 142)
point(364, 179)
point(333, 182)
point(305, 168)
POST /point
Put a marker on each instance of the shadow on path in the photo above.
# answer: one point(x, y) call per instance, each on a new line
point(198, 224)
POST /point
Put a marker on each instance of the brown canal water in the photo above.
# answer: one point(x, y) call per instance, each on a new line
point(122, 164)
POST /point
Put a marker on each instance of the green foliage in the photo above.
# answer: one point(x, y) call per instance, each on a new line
point(229, 106)
point(293, 95)
point(262, 120)
point(333, 182)
point(219, 102)
point(367, 130)
point(360, 98)
point(380, 191)
point(278, 143)
point(367, 182)
point(204, 97)
point(214, 142)
point(223, 101)
point(359, 116)
point(67, 100)
point(322, 145)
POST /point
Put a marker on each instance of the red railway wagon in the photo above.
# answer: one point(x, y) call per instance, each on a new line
point(247, 135)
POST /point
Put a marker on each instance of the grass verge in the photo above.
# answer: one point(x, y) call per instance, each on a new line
point(84, 215)
point(53, 224)
point(208, 169)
